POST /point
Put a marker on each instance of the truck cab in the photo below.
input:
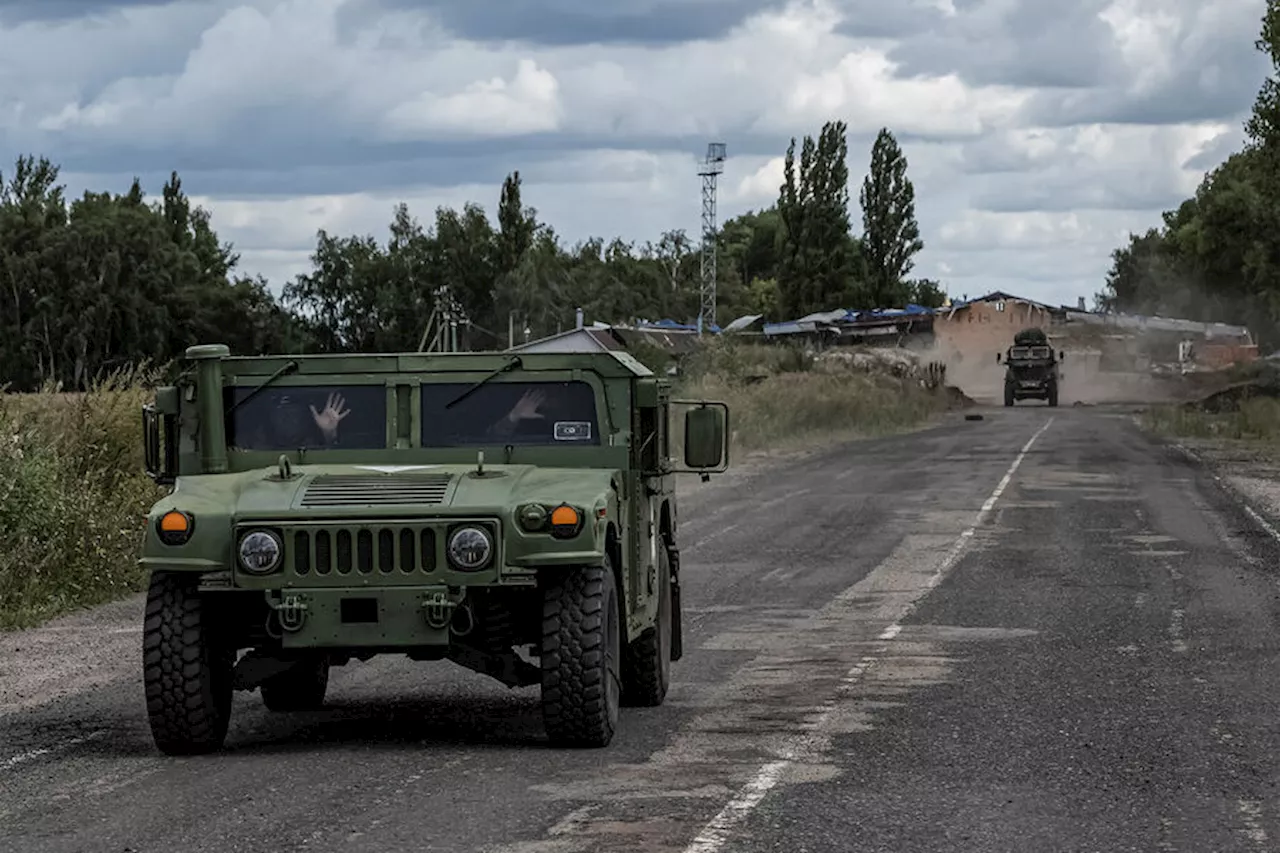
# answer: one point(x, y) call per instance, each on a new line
point(514, 514)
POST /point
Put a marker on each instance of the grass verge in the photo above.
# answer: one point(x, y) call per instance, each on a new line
point(1254, 420)
point(73, 498)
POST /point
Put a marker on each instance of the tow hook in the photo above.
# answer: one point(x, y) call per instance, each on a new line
point(291, 611)
point(437, 609)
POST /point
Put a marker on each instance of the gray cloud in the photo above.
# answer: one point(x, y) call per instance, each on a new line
point(1026, 43)
point(28, 11)
point(573, 22)
point(876, 19)
point(1207, 70)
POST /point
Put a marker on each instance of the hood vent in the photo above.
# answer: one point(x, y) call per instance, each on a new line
point(376, 490)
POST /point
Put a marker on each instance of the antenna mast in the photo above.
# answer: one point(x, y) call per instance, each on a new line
point(710, 171)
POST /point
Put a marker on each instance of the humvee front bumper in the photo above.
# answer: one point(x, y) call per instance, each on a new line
point(353, 617)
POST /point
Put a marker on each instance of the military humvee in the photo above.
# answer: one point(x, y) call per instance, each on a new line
point(515, 514)
point(1031, 368)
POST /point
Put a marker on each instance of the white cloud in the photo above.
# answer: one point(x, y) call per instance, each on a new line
point(863, 87)
point(528, 103)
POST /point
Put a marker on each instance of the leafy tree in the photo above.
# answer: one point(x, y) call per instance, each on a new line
point(891, 235)
point(819, 263)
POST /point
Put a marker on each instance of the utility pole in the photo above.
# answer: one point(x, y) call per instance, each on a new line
point(711, 168)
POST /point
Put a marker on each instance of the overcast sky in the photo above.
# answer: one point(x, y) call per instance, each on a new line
point(1038, 133)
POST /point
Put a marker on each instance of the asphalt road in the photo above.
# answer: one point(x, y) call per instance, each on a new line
point(1039, 631)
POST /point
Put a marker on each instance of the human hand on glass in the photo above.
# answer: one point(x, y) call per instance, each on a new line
point(328, 418)
point(526, 408)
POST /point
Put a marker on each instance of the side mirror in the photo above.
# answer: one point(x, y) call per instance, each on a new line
point(997, 358)
point(160, 437)
point(703, 438)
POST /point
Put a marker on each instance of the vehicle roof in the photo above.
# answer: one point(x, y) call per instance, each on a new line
point(606, 364)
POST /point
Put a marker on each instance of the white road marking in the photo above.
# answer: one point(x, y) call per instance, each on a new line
point(1175, 631)
point(1262, 522)
point(24, 757)
point(1251, 815)
point(715, 834)
point(1217, 478)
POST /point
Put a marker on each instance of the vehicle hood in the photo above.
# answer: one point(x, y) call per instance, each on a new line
point(318, 491)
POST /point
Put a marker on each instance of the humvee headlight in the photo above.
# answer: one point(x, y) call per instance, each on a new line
point(174, 527)
point(470, 548)
point(259, 552)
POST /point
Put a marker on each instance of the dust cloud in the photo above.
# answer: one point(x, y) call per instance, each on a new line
point(1082, 380)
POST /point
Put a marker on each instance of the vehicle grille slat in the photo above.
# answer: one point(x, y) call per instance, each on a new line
point(341, 552)
point(329, 490)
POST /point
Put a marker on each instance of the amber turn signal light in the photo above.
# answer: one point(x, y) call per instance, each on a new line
point(174, 527)
point(564, 516)
point(565, 522)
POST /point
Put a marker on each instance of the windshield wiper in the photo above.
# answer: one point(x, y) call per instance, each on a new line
point(289, 367)
point(510, 365)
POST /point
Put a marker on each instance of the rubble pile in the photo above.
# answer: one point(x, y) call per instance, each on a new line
point(902, 363)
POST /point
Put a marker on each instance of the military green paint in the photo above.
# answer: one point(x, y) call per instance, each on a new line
point(213, 440)
point(235, 491)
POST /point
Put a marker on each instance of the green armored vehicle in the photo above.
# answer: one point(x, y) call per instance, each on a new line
point(515, 514)
point(1031, 368)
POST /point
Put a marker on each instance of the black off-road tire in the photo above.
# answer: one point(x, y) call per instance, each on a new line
point(1053, 395)
point(299, 689)
point(646, 673)
point(186, 668)
point(580, 657)
point(1008, 395)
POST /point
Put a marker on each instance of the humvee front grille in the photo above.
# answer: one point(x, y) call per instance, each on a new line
point(382, 549)
point(375, 490)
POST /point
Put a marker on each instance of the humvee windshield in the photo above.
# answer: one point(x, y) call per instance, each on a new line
point(1027, 353)
point(296, 417)
point(517, 413)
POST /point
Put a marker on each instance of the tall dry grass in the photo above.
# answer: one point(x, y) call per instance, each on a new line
point(73, 497)
point(784, 398)
point(1257, 420)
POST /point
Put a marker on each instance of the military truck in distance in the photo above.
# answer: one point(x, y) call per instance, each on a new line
point(1031, 368)
point(515, 514)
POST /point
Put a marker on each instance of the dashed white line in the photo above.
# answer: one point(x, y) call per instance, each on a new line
point(1176, 639)
point(1251, 815)
point(715, 834)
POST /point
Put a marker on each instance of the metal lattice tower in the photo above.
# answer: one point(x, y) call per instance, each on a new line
point(710, 171)
point(441, 333)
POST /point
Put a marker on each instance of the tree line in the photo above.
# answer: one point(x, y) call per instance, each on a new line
point(109, 280)
point(1216, 257)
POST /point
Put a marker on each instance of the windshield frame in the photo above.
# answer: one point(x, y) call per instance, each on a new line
point(404, 442)
point(334, 381)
